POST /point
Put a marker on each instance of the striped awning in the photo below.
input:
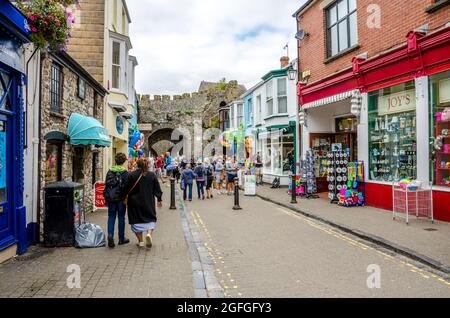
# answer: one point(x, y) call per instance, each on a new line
point(331, 99)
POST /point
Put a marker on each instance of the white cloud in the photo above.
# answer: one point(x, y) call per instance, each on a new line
point(178, 43)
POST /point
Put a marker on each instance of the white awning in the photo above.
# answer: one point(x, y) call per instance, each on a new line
point(331, 99)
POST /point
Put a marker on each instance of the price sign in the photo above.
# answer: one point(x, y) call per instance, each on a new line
point(100, 201)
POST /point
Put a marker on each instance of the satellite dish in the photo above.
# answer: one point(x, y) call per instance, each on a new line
point(301, 34)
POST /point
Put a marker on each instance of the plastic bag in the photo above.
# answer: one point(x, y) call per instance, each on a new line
point(89, 235)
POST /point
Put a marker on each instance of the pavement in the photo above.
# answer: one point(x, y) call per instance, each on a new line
point(422, 240)
point(125, 271)
point(265, 250)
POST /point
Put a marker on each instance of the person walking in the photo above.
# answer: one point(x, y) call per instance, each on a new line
point(209, 169)
point(258, 166)
point(158, 168)
point(219, 169)
point(200, 178)
point(115, 182)
point(140, 191)
point(231, 172)
point(187, 179)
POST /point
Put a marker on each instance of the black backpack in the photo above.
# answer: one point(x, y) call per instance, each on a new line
point(113, 186)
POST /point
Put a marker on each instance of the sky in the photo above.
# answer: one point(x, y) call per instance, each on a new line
point(179, 43)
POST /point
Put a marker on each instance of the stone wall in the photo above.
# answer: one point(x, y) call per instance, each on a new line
point(184, 111)
point(51, 121)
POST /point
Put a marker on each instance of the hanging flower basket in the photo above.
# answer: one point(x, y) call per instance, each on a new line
point(49, 22)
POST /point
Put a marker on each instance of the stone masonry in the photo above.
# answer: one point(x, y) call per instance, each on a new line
point(166, 113)
point(51, 121)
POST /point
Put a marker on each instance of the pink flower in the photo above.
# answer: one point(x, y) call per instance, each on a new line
point(34, 29)
point(32, 18)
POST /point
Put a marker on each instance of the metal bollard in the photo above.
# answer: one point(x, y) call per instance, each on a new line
point(236, 195)
point(293, 190)
point(172, 194)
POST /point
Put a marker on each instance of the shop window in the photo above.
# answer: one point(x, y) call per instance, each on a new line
point(439, 128)
point(232, 115)
point(55, 88)
point(282, 95)
point(258, 109)
point(342, 29)
point(53, 162)
point(5, 98)
point(392, 133)
point(240, 115)
point(269, 98)
point(77, 165)
point(3, 161)
point(116, 65)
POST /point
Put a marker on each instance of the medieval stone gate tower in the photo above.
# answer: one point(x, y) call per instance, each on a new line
point(161, 118)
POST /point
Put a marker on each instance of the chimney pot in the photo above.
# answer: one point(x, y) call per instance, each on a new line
point(284, 61)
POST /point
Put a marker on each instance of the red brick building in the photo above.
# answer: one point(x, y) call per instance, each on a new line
point(375, 77)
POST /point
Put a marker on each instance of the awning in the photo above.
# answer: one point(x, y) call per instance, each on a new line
point(84, 130)
point(55, 136)
point(331, 99)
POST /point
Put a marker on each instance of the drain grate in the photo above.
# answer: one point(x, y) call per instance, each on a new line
point(430, 230)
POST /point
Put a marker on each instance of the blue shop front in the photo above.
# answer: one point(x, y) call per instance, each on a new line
point(13, 34)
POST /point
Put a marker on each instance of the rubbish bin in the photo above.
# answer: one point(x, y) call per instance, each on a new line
point(63, 203)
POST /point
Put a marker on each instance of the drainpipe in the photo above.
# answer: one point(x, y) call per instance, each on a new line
point(38, 233)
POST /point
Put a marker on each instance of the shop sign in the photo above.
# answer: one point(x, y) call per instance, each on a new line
point(397, 103)
point(99, 199)
point(119, 124)
point(250, 185)
point(444, 91)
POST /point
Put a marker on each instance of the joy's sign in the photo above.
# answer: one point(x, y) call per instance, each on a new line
point(397, 102)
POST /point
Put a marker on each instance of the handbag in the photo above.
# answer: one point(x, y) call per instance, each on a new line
point(137, 181)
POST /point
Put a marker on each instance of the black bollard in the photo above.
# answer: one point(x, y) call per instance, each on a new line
point(236, 195)
point(172, 194)
point(293, 190)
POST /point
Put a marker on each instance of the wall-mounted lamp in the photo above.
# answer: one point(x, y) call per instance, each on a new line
point(301, 34)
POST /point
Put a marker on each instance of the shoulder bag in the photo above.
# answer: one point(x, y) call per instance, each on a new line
point(126, 197)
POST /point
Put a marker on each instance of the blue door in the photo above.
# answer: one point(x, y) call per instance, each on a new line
point(7, 220)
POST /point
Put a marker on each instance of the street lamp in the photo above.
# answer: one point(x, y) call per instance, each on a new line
point(292, 74)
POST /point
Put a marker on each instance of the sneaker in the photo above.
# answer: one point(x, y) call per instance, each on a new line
point(148, 241)
point(140, 244)
point(125, 241)
point(111, 242)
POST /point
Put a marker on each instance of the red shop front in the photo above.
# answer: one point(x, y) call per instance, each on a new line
point(424, 60)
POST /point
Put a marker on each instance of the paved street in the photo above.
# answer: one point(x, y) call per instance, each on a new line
point(263, 250)
point(268, 251)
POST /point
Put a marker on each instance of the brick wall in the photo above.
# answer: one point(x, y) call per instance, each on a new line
point(87, 42)
point(398, 17)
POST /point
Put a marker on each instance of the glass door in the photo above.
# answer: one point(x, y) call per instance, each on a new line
point(6, 214)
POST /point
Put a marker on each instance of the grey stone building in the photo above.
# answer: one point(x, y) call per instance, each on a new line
point(67, 88)
point(190, 114)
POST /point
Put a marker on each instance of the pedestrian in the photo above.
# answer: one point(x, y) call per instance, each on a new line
point(168, 164)
point(158, 168)
point(141, 189)
point(151, 164)
point(200, 178)
point(116, 179)
point(209, 169)
point(258, 166)
point(219, 168)
point(187, 179)
point(231, 173)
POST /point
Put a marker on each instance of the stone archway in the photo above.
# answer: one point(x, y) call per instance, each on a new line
point(161, 141)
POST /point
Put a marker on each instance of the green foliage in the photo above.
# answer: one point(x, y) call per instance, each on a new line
point(49, 22)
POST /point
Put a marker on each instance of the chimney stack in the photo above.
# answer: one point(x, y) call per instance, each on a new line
point(284, 61)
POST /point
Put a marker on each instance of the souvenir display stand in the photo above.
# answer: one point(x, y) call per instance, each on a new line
point(337, 174)
point(354, 193)
point(307, 178)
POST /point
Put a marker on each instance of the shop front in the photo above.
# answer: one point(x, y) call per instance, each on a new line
point(13, 223)
point(276, 145)
point(402, 122)
point(329, 125)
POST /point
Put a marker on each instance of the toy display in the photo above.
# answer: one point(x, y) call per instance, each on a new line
point(353, 193)
point(337, 173)
point(135, 150)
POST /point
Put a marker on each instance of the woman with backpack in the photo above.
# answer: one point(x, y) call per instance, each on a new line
point(200, 178)
point(209, 168)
